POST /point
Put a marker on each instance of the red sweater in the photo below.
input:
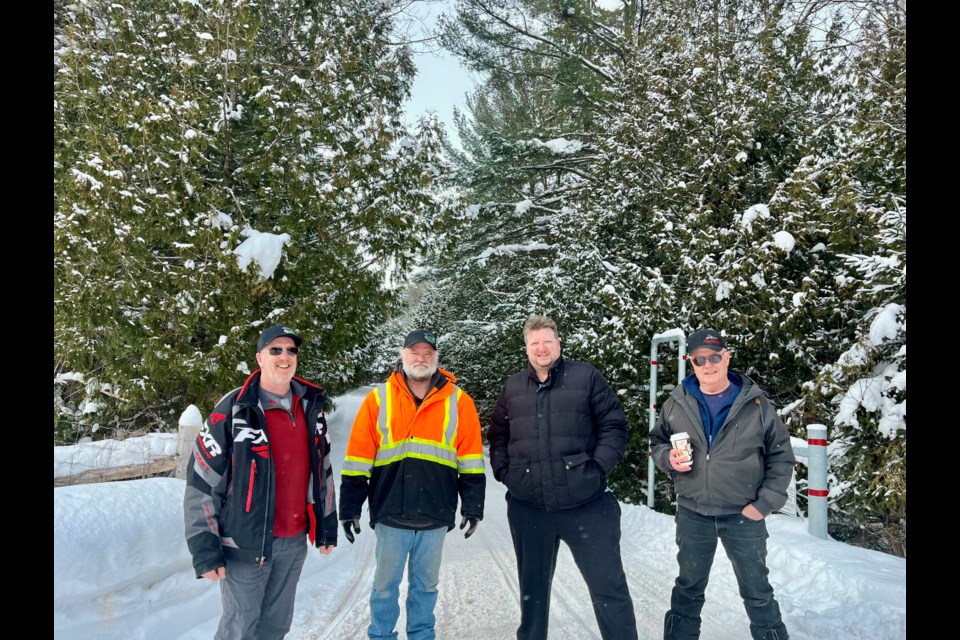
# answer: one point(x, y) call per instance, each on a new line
point(291, 460)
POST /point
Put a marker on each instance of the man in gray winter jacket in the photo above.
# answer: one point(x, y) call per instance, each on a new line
point(741, 465)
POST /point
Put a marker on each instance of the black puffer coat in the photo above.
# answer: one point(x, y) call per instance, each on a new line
point(554, 443)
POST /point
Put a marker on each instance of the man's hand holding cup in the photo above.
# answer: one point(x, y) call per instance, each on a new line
point(681, 455)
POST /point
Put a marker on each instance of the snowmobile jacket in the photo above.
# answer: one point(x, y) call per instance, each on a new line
point(230, 494)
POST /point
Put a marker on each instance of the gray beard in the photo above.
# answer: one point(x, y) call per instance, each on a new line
point(419, 377)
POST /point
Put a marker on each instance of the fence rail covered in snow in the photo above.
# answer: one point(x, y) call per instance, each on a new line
point(138, 457)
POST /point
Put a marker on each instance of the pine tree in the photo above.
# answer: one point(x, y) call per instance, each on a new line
point(182, 130)
point(861, 393)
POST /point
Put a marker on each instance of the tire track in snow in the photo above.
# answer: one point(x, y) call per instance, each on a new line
point(349, 607)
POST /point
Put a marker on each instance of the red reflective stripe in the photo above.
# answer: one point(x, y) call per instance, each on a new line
point(253, 471)
point(654, 405)
point(211, 521)
point(654, 362)
point(817, 442)
point(203, 446)
point(817, 493)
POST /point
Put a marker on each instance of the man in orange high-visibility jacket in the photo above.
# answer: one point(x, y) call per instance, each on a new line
point(414, 448)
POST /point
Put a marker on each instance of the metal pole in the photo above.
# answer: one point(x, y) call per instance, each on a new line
point(817, 480)
point(652, 409)
point(672, 335)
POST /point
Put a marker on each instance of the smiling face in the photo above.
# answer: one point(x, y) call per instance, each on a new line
point(277, 370)
point(543, 349)
point(419, 361)
point(712, 376)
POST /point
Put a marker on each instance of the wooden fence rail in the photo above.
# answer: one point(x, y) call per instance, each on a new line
point(187, 429)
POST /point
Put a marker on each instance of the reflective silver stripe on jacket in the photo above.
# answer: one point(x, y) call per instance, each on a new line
point(391, 451)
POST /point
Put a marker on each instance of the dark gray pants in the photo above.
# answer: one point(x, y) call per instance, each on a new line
point(258, 601)
point(592, 532)
point(745, 542)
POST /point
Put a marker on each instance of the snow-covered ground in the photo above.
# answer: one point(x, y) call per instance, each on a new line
point(122, 571)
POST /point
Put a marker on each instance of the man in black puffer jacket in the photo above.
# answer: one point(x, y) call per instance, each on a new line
point(557, 432)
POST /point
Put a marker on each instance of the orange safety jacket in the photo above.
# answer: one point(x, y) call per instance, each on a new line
point(413, 462)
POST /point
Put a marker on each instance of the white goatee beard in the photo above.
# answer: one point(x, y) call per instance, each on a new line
point(419, 373)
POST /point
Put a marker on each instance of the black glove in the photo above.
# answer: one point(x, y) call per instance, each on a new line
point(346, 528)
point(473, 525)
point(499, 474)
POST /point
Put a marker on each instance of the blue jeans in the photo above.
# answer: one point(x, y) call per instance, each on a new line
point(424, 548)
point(745, 542)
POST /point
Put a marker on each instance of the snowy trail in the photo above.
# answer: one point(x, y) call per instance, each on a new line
point(479, 595)
point(124, 574)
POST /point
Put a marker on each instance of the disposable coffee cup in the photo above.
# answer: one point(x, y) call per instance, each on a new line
point(681, 442)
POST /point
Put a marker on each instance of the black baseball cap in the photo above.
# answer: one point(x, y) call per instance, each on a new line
point(420, 335)
point(277, 331)
point(705, 339)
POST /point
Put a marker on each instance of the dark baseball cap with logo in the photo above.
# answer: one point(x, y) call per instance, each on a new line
point(420, 335)
point(277, 331)
point(705, 339)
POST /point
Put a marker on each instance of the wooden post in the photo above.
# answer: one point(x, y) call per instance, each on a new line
point(191, 421)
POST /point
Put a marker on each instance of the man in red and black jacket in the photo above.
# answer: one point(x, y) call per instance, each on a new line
point(261, 478)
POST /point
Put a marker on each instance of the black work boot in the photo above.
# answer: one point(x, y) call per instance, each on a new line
point(679, 628)
point(778, 632)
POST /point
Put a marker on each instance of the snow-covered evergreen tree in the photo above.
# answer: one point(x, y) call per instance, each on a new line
point(862, 392)
point(744, 170)
point(192, 135)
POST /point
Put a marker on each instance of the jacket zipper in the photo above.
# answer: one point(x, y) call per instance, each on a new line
point(316, 477)
point(266, 512)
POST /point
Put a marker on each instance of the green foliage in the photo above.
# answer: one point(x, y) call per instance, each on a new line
point(184, 128)
point(742, 165)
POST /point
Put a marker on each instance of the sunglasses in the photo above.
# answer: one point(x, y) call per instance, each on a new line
point(275, 351)
point(715, 358)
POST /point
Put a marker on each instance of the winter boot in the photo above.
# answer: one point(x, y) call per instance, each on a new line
point(777, 632)
point(679, 628)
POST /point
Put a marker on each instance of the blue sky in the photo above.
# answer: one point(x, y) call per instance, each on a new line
point(441, 82)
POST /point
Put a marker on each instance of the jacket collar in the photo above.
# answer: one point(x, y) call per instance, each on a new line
point(555, 372)
point(250, 391)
